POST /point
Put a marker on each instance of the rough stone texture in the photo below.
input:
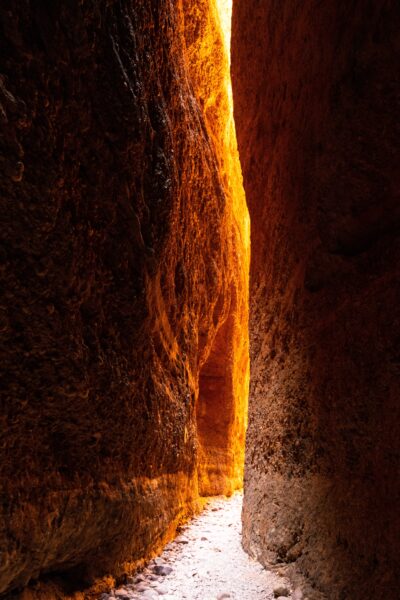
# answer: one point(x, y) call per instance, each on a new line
point(115, 262)
point(316, 90)
point(224, 374)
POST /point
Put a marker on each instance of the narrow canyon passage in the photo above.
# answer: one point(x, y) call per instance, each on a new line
point(143, 337)
point(207, 562)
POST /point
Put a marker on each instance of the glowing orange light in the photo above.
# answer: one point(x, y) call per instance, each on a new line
point(209, 65)
point(224, 8)
point(241, 371)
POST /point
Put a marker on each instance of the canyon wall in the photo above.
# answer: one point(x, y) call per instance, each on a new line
point(121, 281)
point(316, 90)
point(224, 371)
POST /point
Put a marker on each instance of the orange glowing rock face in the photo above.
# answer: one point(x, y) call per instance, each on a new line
point(224, 372)
point(140, 354)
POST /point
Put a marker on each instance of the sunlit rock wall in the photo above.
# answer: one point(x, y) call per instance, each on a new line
point(224, 374)
point(117, 243)
point(316, 88)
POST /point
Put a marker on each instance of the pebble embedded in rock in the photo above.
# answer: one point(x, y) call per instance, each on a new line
point(181, 540)
point(281, 591)
point(150, 594)
point(162, 590)
point(122, 594)
point(162, 570)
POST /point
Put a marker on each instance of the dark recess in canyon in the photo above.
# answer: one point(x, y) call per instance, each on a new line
point(316, 96)
point(123, 260)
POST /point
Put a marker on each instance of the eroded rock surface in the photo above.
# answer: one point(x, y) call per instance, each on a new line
point(116, 246)
point(316, 89)
point(224, 370)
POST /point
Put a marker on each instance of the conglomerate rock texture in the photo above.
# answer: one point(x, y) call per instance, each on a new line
point(120, 268)
point(316, 91)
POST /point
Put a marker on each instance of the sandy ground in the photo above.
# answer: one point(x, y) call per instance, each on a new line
point(206, 562)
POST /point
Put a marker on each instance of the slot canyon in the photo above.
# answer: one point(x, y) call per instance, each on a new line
point(177, 323)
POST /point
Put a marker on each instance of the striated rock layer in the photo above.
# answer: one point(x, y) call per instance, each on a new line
point(316, 87)
point(122, 281)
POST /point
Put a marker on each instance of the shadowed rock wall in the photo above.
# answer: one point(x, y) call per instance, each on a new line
point(115, 260)
point(316, 87)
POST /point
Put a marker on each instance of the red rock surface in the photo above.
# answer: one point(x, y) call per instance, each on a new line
point(224, 373)
point(118, 240)
point(316, 88)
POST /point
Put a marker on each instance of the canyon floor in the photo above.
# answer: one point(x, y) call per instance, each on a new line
point(206, 562)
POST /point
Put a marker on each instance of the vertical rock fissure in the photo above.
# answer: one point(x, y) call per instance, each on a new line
point(224, 372)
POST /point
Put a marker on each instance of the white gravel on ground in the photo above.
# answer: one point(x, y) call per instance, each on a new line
point(205, 562)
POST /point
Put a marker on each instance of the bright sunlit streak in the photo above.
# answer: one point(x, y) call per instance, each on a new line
point(224, 8)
